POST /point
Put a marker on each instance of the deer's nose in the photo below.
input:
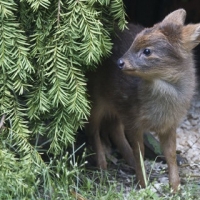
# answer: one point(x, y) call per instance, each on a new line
point(120, 63)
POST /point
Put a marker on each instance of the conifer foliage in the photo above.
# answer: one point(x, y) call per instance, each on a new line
point(46, 46)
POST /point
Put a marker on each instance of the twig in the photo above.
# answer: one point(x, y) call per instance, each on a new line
point(58, 16)
point(190, 175)
point(190, 147)
point(77, 196)
point(2, 121)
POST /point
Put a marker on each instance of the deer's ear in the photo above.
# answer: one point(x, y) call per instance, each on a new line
point(176, 17)
point(191, 36)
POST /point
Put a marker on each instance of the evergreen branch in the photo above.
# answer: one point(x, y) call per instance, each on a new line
point(57, 76)
point(14, 54)
point(35, 4)
point(87, 32)
point(44, 52)
point(61, 129)
point(38, 102)
point(7, 7)
point(117, 10)
point(29, 170)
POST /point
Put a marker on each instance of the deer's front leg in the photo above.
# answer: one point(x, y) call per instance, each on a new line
point(168, 145)
point(135, 139)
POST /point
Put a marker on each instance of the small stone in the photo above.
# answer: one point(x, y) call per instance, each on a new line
point(157, 187)
point(163, 180)
point(190, 143)
point(194, 122)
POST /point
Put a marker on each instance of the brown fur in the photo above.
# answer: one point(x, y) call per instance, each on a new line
point(147, 93)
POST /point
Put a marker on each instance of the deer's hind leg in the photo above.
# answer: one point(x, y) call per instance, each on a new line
point(93, 134)
point(115, 129)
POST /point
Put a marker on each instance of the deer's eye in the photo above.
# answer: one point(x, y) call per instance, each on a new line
point(147, 52)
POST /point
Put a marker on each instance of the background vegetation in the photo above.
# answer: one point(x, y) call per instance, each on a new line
point(46, 46)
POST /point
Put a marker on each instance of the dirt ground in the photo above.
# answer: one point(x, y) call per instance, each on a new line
point(188, 141)
point(188, 135)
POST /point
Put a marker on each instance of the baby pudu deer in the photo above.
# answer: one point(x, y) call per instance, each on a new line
point(146, 85)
